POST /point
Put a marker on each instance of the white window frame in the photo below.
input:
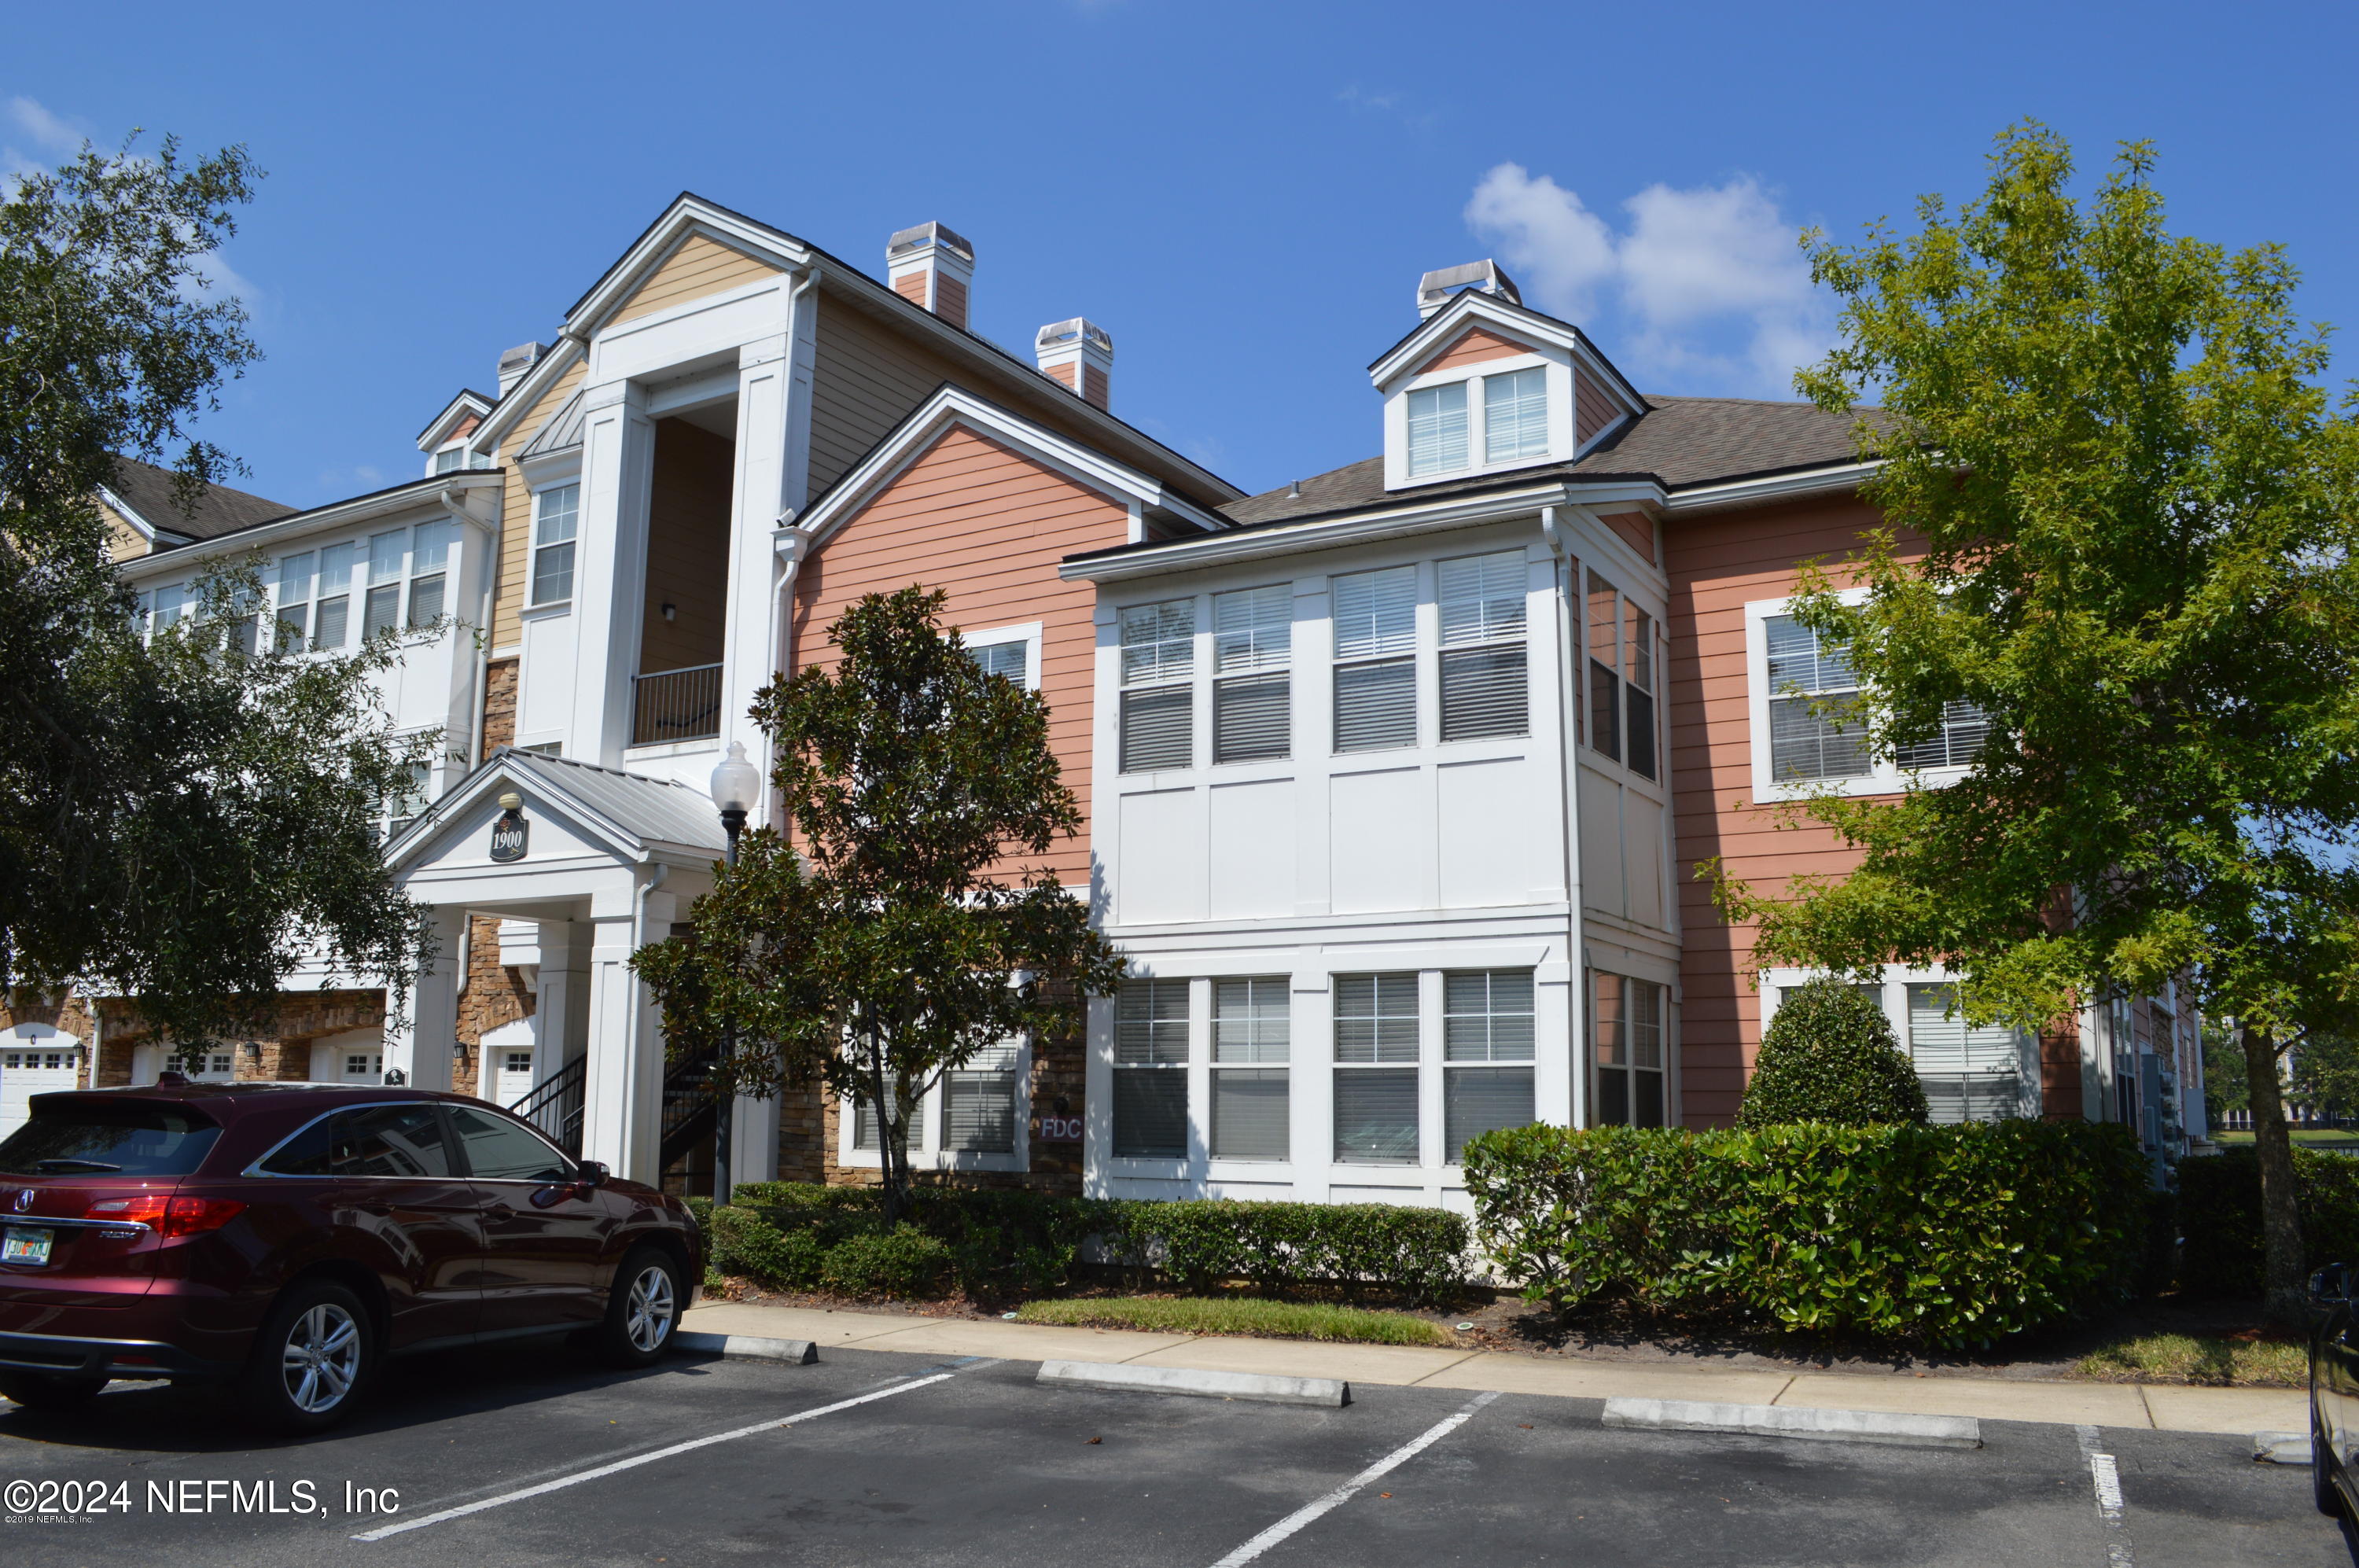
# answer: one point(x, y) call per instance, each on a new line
point(1562, 443)
point(1884, 776)
point(1893, 997)
point(1028, 634)
point(533, 547)
point(930, 1130)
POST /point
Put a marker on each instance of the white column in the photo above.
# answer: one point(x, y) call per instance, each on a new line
point(1311, 1084)
point(753, 1141)
point(421, 1044)
point(609, 568)
point(623, 1105)
point(748, 657)
point(556, 1002)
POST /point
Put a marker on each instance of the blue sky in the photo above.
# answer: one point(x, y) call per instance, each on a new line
point(1243, 195)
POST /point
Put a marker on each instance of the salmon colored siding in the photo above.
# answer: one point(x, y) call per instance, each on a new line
point(1473, 347)
point(699, 266)
point(1593, 410)
point(516, 512)
point(1717, 565)
point(1637, 529)
point(990, 525)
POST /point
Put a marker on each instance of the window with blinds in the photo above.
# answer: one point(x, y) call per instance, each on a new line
point(1150, 1069)
point(1437, 428)
point(1806, 742)
point(1965, 727)
point(1011, 661)
point(1514, 416)
point(1159, 668)
point(1376, 1050)
point(1625, 1021)
point(430, 567)
point(294, 600)
point(1253, 633)
point(979, 1100)
point(1483, 688)
point(1486, 1021)
point(1970, 1074)
point(332, 611)
point(1604, 602)
point(381, 611)
point(1252, 1028)
point(1376, 660)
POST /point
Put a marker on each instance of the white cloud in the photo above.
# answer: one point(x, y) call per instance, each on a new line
point(36, 139)
point(1708, 284)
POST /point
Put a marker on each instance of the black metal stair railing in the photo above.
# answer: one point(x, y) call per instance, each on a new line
point(555, 1105)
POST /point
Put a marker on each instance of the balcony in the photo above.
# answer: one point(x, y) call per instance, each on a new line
point(676, 704)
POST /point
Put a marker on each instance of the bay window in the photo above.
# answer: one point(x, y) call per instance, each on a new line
point(1626, 1017)
point(1376, 1054)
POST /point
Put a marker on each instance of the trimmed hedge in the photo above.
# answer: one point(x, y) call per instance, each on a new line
point(1830, 1055)
point(791, 1234)
point(2220, 1217)
point(1946, 1236)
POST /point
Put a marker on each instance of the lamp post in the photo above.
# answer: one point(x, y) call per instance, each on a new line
point(735, 783)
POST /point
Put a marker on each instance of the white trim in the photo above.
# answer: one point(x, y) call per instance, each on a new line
point(527, 394)
point(117, 504)
point(1774, 488)
point(1885, 777)
point(1028, 634)
point(688, 216)
point(438, 434)
point(415, 496)
point(1444, 325)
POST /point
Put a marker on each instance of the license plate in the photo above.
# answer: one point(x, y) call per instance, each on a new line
point(20, 1246)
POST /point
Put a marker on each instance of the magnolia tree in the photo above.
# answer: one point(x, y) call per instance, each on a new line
point(2121, 505)
point(893, 933)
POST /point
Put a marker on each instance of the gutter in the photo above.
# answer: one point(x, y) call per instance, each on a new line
point(481, 695)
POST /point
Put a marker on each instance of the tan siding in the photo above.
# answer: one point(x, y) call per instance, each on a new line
point(1593, 410)
point(866, 380)
point(989, 526)
point(699, 266)
point(1473, 347)
point(1716, 566)
point(516, 512)
point(123, 541)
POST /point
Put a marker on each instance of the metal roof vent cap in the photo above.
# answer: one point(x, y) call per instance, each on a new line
point(1078, 353)
point(1435, 288)
point(932, 266)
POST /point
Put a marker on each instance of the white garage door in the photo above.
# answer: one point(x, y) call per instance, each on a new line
point(27, 1070)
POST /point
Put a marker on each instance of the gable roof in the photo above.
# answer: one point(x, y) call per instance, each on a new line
point(1678, 443)
point(144, 493)
point(438, 428)
point(1514, 319)
point(631, 811)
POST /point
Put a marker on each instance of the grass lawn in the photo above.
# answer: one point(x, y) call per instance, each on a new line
point(2193, 1359)
point(2347, 1137)
point(1239, 1314)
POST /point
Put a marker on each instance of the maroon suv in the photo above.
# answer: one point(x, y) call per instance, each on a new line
point(284, 1239)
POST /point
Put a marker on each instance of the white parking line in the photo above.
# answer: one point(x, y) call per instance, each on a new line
point(1342, 1494)
point(603, 1470)
point(2105, 1477)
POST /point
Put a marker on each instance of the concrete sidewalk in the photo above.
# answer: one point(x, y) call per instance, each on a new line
point(2160, 1407)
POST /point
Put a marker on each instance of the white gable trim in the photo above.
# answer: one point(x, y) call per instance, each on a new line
point(527, 394)
point(545, 786)
point(439, 432)
point(953, 407)
point(1472, 308)
point(687, 216)
point(124, 510)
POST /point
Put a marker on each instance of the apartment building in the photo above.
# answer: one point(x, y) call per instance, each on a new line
point(1395, 777)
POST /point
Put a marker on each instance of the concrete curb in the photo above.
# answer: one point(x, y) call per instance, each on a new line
point(748, 1347)
point(1794, 1420)
point(1329, 1392)
point(2281, 1448)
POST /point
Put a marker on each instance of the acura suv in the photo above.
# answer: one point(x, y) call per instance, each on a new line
point(285, 1239)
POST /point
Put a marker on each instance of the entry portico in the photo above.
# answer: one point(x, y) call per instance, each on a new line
point(584, 865)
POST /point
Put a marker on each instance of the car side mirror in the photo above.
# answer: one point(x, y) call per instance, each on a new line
point(2330, 1286)
point(590, 1173)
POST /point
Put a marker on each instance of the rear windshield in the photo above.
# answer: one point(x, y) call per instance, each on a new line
point(135, 1138)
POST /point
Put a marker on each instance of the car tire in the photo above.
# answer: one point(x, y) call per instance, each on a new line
point(2322, 1490)
point(314, 1353)
point(643, 1308)
point(49, 1391)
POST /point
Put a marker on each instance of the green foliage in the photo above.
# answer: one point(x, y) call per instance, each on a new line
point(1279, 1246)
point(1241, 1314)
point(900, 1262)
point(741, 1242)
point(879, 947)
point(2225, 1088)
point(2220, 1217)
point(2325, 1076)
point(1830, 1056)
point(181, 819)
point(1941, 1236)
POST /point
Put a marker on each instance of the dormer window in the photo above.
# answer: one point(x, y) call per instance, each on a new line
point(1437, 429)
point(1504, 415)
point(1514, 416)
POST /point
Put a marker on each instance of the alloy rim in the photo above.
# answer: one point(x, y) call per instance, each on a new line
point(322, 1359)
point(648, 1311)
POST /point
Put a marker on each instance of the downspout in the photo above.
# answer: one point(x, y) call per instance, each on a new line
point(1568, 802)
point(481, 693)
point(786, 541)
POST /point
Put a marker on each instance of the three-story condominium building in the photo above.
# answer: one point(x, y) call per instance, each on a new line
point(1394, 778)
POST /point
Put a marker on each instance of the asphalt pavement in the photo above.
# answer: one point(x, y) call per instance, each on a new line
point(528, 1456)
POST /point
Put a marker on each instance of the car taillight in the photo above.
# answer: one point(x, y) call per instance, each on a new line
point(168, 1216)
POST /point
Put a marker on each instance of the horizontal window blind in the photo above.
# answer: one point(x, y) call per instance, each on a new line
point(1158, 728)
point(1965, 727)
point(385, 555)
point(1806, 744)
point(1002, 658)
point(1158, 642)
point(1250, 1114)
point(1486, 1015)
point(1151, 1023)
point(1514, 416)
point(1970, 1074)
point(1376, 1116)
point(1476, 1100)
point(1437, 428)
point(1481, 598)
point(383, 612)
point(1375, 705)
point(1375, 1017)
point(1252, 718)
point(1252, 628)
point(425, 599)
point(330, 618)
point(979, 1111)
point(1150, 1113)
point(1375, 612)
point(1483, 692)
point(1252, 1020)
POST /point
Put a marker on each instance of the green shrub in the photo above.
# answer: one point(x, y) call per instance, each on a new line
point(1830, 1056)
point(903, 1261)
point(1281, 1246)
point(741, 1241)
point(2220, 1217)
point(1947, 1235)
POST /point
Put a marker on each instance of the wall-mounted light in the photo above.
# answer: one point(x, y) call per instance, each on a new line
point(672, 611)
point(254, 1050)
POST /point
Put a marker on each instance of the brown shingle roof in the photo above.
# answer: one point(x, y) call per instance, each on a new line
point(147, 490)
point(1679, 441)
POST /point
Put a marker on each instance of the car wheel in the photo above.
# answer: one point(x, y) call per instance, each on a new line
point(49, 1391)
point(2322, 1490)
point(643, 1309)
point(312, 1355)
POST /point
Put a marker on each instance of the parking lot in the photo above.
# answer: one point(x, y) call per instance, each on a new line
point(528, 1456)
